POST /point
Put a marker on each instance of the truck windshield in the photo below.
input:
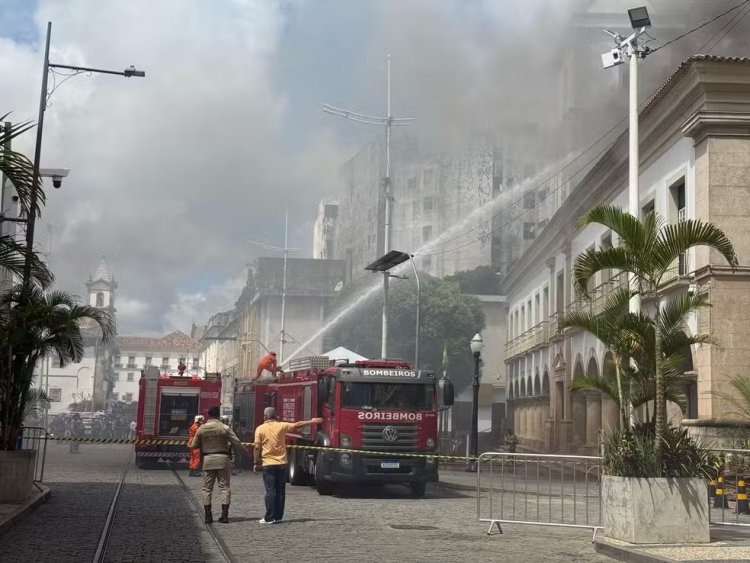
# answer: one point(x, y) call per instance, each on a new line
point(387, 396)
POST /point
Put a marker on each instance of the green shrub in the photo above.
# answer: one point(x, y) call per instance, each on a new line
point(632, 453)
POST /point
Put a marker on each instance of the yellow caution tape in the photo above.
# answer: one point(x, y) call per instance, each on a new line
point(165, 442)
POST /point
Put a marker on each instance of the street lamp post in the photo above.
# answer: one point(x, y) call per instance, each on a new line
point(386, 121)
point(631, 47)
point(385, 264)
point(34, 196)
point(476, 349)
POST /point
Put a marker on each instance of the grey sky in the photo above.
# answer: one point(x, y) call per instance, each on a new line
point(171, 174)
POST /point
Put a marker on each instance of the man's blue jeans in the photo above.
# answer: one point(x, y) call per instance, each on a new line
point(274, 478)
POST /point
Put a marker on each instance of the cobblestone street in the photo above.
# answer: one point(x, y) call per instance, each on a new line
point(384, 524)
point(157, 521)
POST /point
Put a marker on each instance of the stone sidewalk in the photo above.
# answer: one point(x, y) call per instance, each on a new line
point(728, 543)
point(12, 514)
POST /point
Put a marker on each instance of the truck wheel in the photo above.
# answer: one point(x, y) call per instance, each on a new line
point(297, 475)
point(145, 463)
point(324, 488)
point(418, 489)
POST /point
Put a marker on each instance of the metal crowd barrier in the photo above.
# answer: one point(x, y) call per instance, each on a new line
point(728, 502)
point(540, 490)
point(35, 438)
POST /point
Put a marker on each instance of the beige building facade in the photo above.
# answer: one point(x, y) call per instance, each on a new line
point(694, 163)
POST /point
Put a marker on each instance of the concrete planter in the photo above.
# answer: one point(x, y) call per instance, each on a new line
point(655, 511)
point(16, 475)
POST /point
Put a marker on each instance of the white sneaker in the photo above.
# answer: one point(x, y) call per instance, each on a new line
point(264, 521)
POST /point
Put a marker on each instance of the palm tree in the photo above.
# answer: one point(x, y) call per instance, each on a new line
point(631, 336)
point(617, 329)
point(647, 249)
point(19, 170)
point(31, 328)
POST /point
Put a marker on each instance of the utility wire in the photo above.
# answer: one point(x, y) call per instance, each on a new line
point(738, 17)
point(704, 24)
point(434, 249)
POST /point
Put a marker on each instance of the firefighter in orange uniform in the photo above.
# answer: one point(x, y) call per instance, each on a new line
point(268, 362)
point(195, 453)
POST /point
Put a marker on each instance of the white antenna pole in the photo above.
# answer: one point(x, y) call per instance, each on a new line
point(285, 250)
point(283, 286)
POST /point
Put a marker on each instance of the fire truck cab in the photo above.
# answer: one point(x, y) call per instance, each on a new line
point(379, 419)
point(167, 405)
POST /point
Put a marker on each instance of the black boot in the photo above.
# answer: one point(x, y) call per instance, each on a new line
point(224, 514)
point(209, 516)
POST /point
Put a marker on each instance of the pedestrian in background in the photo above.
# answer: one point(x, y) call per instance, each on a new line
point(214, 441)
point(269, 455)
point(511, 441)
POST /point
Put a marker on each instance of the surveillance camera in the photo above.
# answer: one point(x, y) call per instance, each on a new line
point(57, 175)
point(612, 58)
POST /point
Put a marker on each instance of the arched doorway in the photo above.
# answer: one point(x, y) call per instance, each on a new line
point(578, 406)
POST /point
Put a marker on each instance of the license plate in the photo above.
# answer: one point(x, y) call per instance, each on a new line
point(389, 465)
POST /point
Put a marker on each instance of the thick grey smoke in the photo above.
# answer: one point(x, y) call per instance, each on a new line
point(171, 174)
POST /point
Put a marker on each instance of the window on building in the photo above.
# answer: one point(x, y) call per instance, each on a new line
point(529, 200)
point(147, 362)
point(427, 204)
point(127, 397)
point(118, 360)
point(497, 182)
point(100, 299)
point(115, 396)
point(182, 360)
point(678, 213)
point(116, 376)
point(196, 362)
point(427, 178)
point(131, 361)
point(165, 362)
point(54, 394)
point(537, 309)
point(426, 233)
point(131, 376)
point(529, 231)
point(427, 264)
point(648, 208)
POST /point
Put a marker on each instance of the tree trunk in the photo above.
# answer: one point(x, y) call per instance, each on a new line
point(623, 407)
point(659, 403)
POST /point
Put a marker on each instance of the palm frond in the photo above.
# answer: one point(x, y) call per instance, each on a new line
point(607, 386)
point(739, 398)
point(678, 238)
point(592, 261)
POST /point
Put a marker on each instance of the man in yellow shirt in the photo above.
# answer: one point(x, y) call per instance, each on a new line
point(270, 456)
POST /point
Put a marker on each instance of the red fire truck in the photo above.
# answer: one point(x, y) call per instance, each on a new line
point(167, 406)
point(381, 406)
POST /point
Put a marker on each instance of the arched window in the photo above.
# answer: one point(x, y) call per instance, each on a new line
point(100, 299)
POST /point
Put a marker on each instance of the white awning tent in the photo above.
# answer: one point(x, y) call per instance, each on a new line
point(342, 353)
